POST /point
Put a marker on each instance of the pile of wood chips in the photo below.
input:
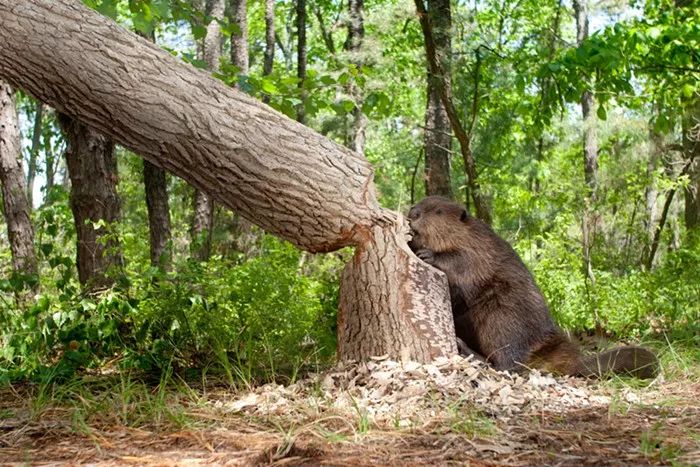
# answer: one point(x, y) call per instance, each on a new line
point(403, 393)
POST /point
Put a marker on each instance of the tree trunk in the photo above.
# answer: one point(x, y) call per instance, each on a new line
point(203, 216)
point(156, 187)
point(408, 325)
point(590, 150)
point(277, 173)
point(269, 40)
point(34, 152)
point(356, 34)
point(239, 41)
point(438, 137)
point(691, 152)
point(14, 189)
point(92, 167)
point(301, 57)
point(464, 137)
point(158, 205)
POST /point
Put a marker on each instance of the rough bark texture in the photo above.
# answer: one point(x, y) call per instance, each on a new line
point(438, 137)
point(284, 177)
point(155, 184)
point(301, 56)
point(407, 322)
point(590, 148)
point(92, 167)
point(14, 189)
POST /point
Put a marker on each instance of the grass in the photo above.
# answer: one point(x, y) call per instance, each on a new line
point(124, 416)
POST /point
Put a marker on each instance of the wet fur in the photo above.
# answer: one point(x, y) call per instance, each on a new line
point(498, 309)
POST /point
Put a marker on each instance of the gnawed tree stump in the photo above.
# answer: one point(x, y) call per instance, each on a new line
point(388, 293)
point(275, 172)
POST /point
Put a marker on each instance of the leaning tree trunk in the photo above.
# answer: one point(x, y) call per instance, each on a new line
point(277, 173)
point(92, 167)
point(14, 189)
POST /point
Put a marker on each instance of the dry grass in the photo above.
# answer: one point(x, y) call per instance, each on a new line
point(118, 421)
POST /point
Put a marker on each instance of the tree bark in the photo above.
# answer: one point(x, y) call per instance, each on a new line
point(301, 57)
point(14, 189)
point(92, 167)
point(480, 204)
point(279, 174)
point(438, 137)
point(590, 150)
point(34, 152)
point(158, 205)
point(411, 326)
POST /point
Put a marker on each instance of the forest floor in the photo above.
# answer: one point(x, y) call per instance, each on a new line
point(384, 413)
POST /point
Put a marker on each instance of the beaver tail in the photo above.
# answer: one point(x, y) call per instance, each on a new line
point(628, 360)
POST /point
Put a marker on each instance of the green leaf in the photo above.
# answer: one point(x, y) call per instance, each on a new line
point(602, 113)
point(268, 86)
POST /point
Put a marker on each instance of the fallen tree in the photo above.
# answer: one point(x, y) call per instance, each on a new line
point(275, 172)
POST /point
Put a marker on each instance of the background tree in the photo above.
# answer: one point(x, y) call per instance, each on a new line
point(438, 136)
point(92, 167)
point(15, 204)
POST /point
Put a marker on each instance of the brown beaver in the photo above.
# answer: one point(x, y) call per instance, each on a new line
point(498, 309)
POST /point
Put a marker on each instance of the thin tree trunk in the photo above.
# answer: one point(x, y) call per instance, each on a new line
point(301, 57)
point(92, 167)
point(34, 152)
point(464, 137)
point(438, 136)
point(691, 152)
point(356, 35)
point(276, 172)
point(651, 193)
point(269, 41)
point(590, 150)
point(14, 188)
point(239, 41)
point(158, 205)
point(203, 218)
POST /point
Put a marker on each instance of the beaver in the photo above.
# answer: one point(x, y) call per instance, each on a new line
point(499, 312)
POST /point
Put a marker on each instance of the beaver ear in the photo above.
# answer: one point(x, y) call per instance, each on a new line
point(464, 216)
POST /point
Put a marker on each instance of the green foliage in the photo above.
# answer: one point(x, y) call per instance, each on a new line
point(264, 318)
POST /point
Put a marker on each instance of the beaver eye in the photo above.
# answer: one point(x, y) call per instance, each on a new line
point(438, 211)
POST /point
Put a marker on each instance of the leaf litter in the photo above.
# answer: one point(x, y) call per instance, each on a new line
point(453, 411)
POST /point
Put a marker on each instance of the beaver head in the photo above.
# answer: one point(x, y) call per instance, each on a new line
point(435, 224)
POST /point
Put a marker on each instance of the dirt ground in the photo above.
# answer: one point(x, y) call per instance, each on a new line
point(662, 433)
